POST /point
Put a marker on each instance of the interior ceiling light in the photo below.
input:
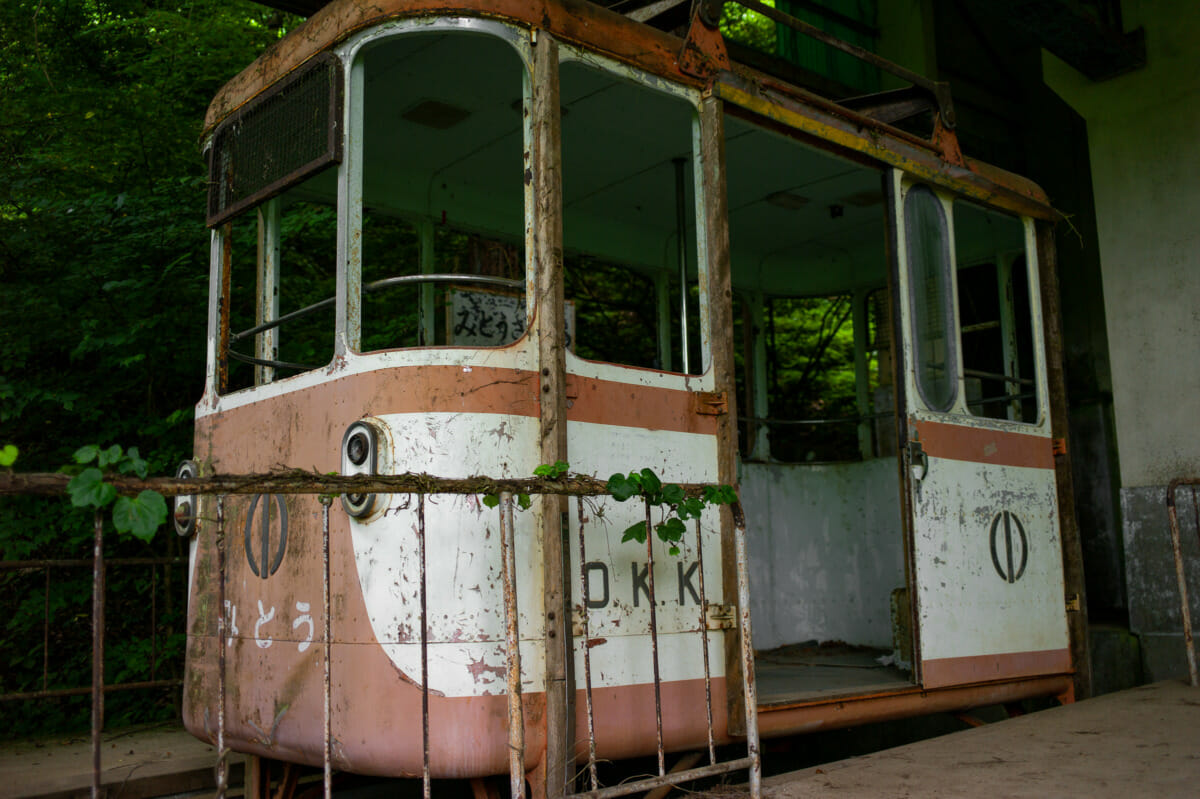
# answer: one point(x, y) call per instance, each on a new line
point(435, 114)
point(787, 199)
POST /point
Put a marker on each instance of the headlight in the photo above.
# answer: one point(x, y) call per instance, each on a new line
point(185, 504)
point(362, 454)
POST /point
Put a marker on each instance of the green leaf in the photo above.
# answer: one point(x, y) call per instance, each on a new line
point(8, 455)
point(491, 500)
point(109, 456)
point(720, 495)
point(523, 501)
point(671, 530)
point(691, 508)
point(674, 550)
point(650, 482)
point(621, 488)
point(87, 454)
point(132, 462)
point(88, 489)
point(635, 532)
point(673, 494)
point(140, 516)
point(553, 471)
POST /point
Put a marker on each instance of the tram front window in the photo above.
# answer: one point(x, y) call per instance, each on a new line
point(442, 191)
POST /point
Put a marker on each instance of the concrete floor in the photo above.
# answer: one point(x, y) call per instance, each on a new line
point(1144, 742)
point(147, 762)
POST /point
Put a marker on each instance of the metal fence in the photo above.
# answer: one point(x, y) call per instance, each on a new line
point(423, 486)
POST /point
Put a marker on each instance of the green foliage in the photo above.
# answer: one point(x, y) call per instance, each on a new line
point(141, 515)
point(104, 263)
point(552, 470)
point(675, 506)
point(749, 27)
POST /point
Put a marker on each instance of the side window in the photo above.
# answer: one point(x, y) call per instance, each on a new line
point(927, 246)
point(442, 215)
point(629, 230)
point(283, 275)
point(995, 315)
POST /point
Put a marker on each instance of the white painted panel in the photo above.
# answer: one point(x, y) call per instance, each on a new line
point(464, 588)
point(826, 550)
point(965, 606)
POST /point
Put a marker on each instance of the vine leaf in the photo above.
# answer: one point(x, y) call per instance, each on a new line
point(635, 532)
point(140, 516)
point(88, 489)
point(8, 455)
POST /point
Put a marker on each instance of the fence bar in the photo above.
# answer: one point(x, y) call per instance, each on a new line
point(153, 622)
point(222, 754)
point(712, 748)
point(326, 500)
point(66, 563)
point(626, 788)
point(46, 635)
point(662, 767)
point(512, 640)
point(1184, 606)
point(748, 683)
point(97, 650)
point(58, 693)
point(587, 653)
point(424, 651)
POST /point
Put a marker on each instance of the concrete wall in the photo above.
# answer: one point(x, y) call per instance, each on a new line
point(1143, 131)
point(826, 551)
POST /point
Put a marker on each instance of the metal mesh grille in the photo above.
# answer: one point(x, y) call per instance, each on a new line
point(281, 138)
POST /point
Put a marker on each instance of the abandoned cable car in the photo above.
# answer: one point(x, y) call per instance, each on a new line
point(470, 242)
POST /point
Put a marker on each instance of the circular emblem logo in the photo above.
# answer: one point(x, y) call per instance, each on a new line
point(1010, 546)
point(266, 537)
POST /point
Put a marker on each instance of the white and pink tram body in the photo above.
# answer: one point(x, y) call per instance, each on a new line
point(472, 242)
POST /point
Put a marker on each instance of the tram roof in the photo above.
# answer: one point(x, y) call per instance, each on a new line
point(595, 27)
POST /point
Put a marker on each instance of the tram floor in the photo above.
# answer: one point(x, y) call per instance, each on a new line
point(812, 671)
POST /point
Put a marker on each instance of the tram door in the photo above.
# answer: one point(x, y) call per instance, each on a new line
point(979, 465)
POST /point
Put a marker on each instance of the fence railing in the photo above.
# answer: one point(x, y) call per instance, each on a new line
point(422, 486)
point(1184, 606)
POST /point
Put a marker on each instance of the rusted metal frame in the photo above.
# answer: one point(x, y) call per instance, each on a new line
point(746, 637)
point(47, 564)
point(869, 141)
point(46, 633)
point(348, 311)
point(333, 142)
point(708, 706)
point(267, 300)
point(222, 643)
point(890, 180)
point(1056, 392)
point(425, 783)
point(224, 285)
point(673, 778)
point(327, 748)
point(585, 597)
point(681, 249)
point(545, 147)
point(1180, 577)
point(512, 643)
point(97, 648)
point(940, 91)
point(58, 693)
point(658, 725)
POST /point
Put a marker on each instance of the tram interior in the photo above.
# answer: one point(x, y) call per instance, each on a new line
point(443, 193)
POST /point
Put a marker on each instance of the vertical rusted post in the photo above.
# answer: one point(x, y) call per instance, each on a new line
point(97, 648)
point(746, 637)
point(424, 650)
point(1184, 606)
point(547, 251)
point(222, 643)
point(153, 622)
point(326, 501)
point(654, 640)
point(712, 749)
point(585, 594)
point(223, 312)
point(512, 640)
point(46, 634)
point(681, 241)
point(1056, 388)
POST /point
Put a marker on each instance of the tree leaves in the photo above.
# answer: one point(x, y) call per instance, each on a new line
point(675, 505)
point(140, 516)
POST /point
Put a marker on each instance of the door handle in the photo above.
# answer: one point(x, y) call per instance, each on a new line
point(918, 461)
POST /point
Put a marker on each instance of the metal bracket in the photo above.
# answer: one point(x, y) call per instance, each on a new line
point(720, 617)
point(710, 403)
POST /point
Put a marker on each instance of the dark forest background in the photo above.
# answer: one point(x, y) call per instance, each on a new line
point(103, 280)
